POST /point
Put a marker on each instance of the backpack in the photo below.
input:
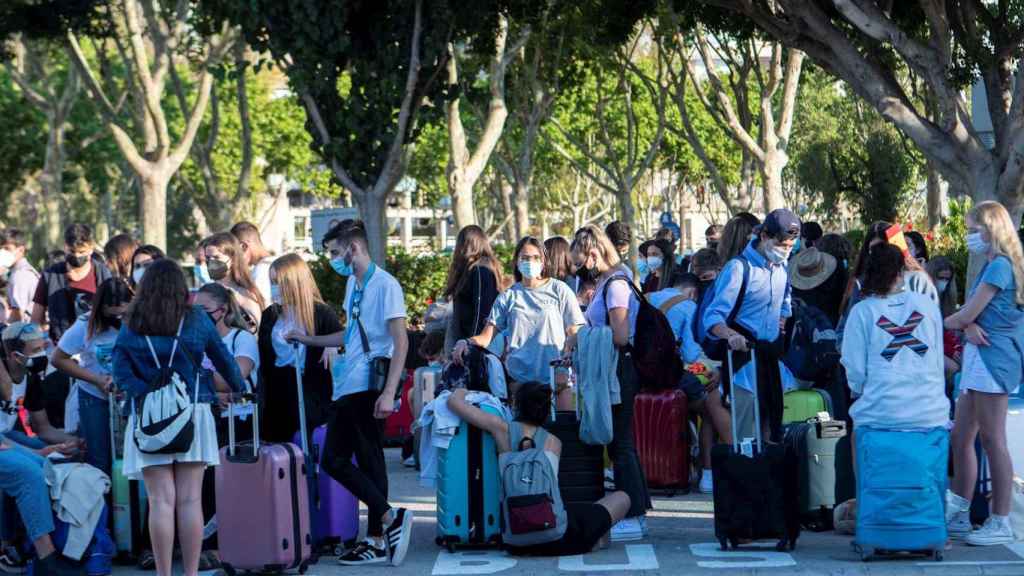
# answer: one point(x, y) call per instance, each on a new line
point(655, 355)
point(812, 352)
point(531, 504)
point(164, 415)
point(717, 348)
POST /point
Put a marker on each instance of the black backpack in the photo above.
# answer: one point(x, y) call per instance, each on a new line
point(655, 354)
point(812, 352)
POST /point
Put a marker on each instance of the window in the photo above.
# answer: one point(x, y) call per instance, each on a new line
point(301, 227)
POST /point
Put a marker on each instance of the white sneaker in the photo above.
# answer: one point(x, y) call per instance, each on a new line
point(627, 530)
point(642, 521)
point(609, 479)
point(409, 462)
point(707, 485)
point(959, 525)
point(995, 532)
point(955, 504)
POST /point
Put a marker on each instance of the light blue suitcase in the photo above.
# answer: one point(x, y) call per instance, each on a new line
point(469, 489)
point(901, 492)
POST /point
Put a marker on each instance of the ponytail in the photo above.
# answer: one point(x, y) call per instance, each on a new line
point(235, 316)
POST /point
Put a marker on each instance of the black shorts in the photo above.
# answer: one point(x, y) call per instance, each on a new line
point(691, 385)
point(587, 523)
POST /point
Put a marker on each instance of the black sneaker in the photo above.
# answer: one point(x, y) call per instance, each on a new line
point(11, 563)
point(398, 535)
point(45, 566)
point(364, 553)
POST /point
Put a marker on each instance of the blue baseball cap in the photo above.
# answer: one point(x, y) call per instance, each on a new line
point(781, 223)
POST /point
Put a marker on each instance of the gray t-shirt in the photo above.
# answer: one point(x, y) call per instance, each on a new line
point(534, 321)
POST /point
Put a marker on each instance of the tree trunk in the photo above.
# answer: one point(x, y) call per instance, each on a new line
point(771, 179)
point(625, 198)
point(462, 203)
point(937, 208)
point(52, 181)
point(522, 198)
point(373, 209)
point(503, 190)
point(153, 208)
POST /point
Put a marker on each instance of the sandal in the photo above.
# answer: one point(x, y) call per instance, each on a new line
point(147, 561)
point(208, 560)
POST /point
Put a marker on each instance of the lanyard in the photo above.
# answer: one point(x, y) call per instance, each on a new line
point(356, 299)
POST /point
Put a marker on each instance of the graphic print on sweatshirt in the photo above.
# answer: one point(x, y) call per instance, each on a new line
point(902, 335)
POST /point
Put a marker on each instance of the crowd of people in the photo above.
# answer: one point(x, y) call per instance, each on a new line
point(96, 323)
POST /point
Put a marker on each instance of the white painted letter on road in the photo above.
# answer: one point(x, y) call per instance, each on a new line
point(639, 557)
point(482, 562)
point(741, 558)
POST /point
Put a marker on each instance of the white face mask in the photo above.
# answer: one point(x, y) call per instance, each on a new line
point(941, 285)
point(530, 269)
point(654, 262)
point(7, 259)
point(776, 254)
point(137, 275)
point(976, 244)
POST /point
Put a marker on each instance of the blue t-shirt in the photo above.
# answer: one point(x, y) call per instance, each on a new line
point(1003, 321)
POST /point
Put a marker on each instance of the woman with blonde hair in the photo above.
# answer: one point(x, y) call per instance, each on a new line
point(227, 266)
point(296, 305)
point(992, 319)
point(615, 305)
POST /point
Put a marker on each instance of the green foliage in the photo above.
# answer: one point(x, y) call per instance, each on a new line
point(24, 138)
point(951, 241)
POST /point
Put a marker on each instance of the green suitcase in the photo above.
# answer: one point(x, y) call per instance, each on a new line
point(802, 405)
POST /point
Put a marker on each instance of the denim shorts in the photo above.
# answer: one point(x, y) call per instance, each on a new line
point(692, 386)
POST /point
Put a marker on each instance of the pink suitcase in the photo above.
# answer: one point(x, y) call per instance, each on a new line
point(262, 505)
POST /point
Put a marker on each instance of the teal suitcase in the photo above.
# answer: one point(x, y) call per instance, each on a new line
point(469, 489)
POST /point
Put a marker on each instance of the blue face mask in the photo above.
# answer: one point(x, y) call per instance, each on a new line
point(798, 245)
point(275, 294)
point(202, 275)
point(641, 266)
point(341, 266)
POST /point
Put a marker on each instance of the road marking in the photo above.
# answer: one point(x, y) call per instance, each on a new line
point(766, 559)
point(1017, 548)
point(472, 562)
point(638, 557)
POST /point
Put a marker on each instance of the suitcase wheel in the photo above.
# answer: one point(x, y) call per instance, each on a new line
point(450, 546)
point(937, 555)
point(303, 567)
point(723, 542)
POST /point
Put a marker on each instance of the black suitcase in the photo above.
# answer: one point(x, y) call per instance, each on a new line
point(814, 443)
point(581, 466)
point(755, 496)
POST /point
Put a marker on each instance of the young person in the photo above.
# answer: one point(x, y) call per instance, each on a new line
point(474, 282)
point(660, 264)
point(559, 264)
point(712, 235)
point(941, 271)
point(375, 307)
point(818, 281)
point(92, 339)
point(24, 359)
point(537, 315)
point(228, 266)
point(22, 277)
point(679, 304)
point(736, 235)
point(621, 236)
point(162, 330)
point(141, 259)
point(992, 318)
point(614, 305)
point(758, 322)
point(118, 252)
point(588, 524)
point(918, 247)
point(257, 257)
point(296, 306)
point(66, 290)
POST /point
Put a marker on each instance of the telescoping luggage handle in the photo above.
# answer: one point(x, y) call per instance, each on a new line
point(312, 477)
point(732, 401)
point(232, 444)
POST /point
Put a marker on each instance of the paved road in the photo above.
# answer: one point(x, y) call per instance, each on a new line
point(681, 542)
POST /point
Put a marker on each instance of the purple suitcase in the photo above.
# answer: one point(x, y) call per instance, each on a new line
point(336, 519)
point(262, 506)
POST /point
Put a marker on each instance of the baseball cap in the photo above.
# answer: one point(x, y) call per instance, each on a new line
point(781, 222)
point(24, 331)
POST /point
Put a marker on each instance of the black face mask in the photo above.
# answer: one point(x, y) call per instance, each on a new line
point(586, 275)
point(702, 287)
point(114, 322)
point(75, 261)
point(713, 244)
point(36, 365)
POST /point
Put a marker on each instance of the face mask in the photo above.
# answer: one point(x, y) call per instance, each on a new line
point(275, 294)
point(35, 364)
point(213, 316)
point(6, 258)
point(798, 245)
point(776, 254)
point(713, 244)
point(654, 262)
point(114, 322)
point(942, 285)
point(976, 244)
point(530, 270)
point(202, 274)
point(584, 275)
point(76, 261)
point(642, 266)
point(218, 270)
point(341, 266)
point(137, 275)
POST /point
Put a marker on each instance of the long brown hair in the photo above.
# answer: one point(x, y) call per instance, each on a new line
point(161, 300)
point(228, 245)
point(119, 251)
point(472, 248)
point(735, 236)
point(111, 292)
point(559, 258)
point(299, 293)
point(234, 317)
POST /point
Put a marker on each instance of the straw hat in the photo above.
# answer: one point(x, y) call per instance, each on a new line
point(810, 268)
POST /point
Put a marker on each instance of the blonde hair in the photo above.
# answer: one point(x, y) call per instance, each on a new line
point(299, 293)
point(994, 218)
point(591, 237)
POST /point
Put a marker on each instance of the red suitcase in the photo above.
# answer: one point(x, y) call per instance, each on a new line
point(661, 434)
point(398, 426)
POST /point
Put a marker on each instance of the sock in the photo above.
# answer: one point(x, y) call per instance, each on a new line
point(1001, 520)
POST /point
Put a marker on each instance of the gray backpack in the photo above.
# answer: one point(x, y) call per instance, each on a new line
point(531, 503)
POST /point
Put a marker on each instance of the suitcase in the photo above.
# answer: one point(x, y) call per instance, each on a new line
point(128, 497)
point(755, 488)
point(581, 466)
point(275, 534)
point(469, 489)
point(398, 426)
point(901, 492)
point(803, 405)
point(335, 518)
point(661, 432)
point(814, 444)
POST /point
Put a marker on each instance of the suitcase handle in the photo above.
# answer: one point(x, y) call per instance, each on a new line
point(732, 401)
point(232, 444)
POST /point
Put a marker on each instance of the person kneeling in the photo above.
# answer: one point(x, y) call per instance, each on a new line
point(587, 525)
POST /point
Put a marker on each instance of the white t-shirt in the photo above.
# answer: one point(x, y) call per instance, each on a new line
point(242, 344)
point(9, 408)
point(261, 277)
point(382, 301)
point(94, 354)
